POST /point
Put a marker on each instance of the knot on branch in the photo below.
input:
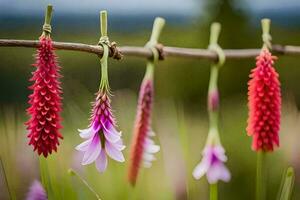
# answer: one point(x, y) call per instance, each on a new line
point(114, 51)
point(160, 49)
point(47, 28)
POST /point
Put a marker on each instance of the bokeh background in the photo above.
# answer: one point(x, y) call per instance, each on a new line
point(180, 117)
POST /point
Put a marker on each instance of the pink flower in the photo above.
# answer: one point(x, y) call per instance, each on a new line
point(45, 101)
point(36, 192)
point(264, 104)
point(102, 138)
point(212, 164)
point(143, 147)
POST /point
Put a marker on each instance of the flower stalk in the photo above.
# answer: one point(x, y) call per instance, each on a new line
point(261, 176)
point(48, 17)
point(71, 172)
point(214, 157)
point(45, 101)
point(143, 147)
point(264, 109)
point(102, 138)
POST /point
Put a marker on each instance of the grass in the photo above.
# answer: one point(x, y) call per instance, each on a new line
point(181, 133)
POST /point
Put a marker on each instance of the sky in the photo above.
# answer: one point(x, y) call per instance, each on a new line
point(182, 7)
point(134, 7)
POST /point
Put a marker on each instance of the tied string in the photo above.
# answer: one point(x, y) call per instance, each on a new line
point(157, 51)
point(266, 38)
point(47, 28)
point(219, 51)
point(160, 49)
point(114, 51)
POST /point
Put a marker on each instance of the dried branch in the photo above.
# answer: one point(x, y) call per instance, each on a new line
point(147, 53)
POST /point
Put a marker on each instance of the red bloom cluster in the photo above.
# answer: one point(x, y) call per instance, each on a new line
point(141, 130)
point(264, 104)
point(45, 101)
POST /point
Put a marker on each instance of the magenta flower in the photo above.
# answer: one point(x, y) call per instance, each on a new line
point(212, 164)
point(102, 137)
point(36, 192)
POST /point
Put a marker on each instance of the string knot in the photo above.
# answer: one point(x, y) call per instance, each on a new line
point(157, 51)
point(219, 51)
point(47, 28)
point(114, 51)
point(160, 49)
point(266, 37)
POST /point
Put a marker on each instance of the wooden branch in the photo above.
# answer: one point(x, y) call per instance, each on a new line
point(147, 53)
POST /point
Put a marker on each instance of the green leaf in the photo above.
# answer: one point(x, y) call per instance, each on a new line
point(287, 185)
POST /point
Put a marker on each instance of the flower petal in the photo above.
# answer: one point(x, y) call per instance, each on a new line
point(218, 172)
point(113, 152)
point(93, 151)
point(111, 134)
point(201, 168)
point(220, 153)
point(87, 133)
point(119, 145)
point(147, 164)
point(101, 162)
point(148, 157)
point(149, 141)
point(151, 133)
point(84, 145)
point(152, 148)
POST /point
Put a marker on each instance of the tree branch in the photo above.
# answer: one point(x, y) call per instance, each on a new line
point(147, 53)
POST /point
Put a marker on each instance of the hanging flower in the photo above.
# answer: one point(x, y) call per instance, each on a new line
point(264, 104)
point(45, 101)
point(36, 192)
point(213, 155)
point(143, 146)
point(102, 138)
point(213, 159)
point(212, 164)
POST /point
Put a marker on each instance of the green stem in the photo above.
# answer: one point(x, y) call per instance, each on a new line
point(73, 173)
point(47, 22)
point(5, 178)
point(104, 84)
point(215, 30)
point(266, 23)
point(261, 176)
point(48, 14)
point(156, 30)
point(103, 21)
point(149, 70)
point(287, 185)
point(213, 87)
point(213, 194)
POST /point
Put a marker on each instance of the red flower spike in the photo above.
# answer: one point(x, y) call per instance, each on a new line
point(45, 101)
point(142, 147)
point(264, 102)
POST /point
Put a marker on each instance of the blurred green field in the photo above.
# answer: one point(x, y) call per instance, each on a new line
point(181, 135)
point(180, 118)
